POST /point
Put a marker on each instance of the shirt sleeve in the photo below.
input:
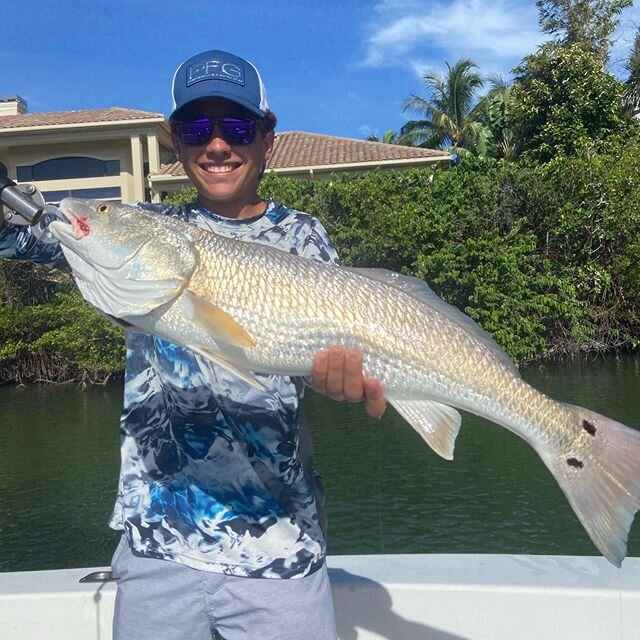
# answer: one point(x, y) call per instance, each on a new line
point(18, 244)
point(316, 244)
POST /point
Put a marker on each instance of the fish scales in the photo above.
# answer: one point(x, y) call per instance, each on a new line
point(252, 308)
point(312, 305)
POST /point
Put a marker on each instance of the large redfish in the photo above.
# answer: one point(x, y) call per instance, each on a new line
point(252, 308)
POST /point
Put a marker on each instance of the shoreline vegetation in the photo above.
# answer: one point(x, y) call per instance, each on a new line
point(545, 257)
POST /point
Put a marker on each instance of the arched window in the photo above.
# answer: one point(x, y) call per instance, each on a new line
point(99, 193)
point(68, 168)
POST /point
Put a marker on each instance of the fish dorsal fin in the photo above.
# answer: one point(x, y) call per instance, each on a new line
point(437, 423)
point(216, 321)
point(218, 358)
point(420, 289)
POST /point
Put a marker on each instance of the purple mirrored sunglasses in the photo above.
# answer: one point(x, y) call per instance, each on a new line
point(235, 131)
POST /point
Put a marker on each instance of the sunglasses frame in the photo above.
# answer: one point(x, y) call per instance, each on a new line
point(223, 123)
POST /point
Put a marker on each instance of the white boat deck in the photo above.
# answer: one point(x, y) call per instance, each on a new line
point(390, 597)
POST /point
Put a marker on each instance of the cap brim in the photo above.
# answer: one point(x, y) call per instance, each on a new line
point(246, 105)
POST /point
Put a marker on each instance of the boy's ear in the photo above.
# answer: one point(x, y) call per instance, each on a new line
point(269, 138)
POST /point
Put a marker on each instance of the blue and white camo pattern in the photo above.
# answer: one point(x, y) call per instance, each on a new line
point(215, 474)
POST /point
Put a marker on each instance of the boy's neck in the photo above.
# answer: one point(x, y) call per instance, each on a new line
point(234, 210)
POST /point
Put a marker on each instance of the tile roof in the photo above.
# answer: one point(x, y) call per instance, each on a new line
point(84, 116)
point(298, 149)
point(301, 149)
point(174, 168)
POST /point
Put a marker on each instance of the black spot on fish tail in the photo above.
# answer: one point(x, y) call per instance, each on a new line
point(589, 427)
point(574, 462)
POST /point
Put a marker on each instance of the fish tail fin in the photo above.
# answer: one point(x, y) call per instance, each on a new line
point(601, 478)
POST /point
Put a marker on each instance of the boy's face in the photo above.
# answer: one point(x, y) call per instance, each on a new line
point(225, 175)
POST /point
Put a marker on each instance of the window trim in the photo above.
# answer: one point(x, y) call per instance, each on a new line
point(104, 161)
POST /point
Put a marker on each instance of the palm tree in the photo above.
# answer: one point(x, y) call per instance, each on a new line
point(389, 137)
point(446, 120)
point(631, 95)
point(492, 111)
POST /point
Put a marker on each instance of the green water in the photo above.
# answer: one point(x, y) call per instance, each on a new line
point(387, 491)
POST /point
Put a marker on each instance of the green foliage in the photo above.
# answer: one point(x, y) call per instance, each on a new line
point(564, 101)
point(588, 220)
point(186, 194)
point(48, 332)
point(390, 137)
point(589, 23)
point(493, 112)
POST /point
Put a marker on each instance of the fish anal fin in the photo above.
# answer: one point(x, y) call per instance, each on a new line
point(217, 322)
point(437, 423)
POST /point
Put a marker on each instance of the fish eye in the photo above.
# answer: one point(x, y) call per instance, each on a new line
point(103, 208)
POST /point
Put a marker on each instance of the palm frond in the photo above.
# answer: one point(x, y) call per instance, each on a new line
point(446, 107)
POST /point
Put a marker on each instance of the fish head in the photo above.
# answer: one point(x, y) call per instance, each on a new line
point(105, 234)
point(125, 260)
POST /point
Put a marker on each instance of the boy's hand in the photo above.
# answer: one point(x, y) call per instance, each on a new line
point(337, 373)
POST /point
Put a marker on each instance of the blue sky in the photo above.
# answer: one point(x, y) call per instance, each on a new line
point(334, 67)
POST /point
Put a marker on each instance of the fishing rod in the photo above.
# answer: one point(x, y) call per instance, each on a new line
point(24, 200)
point(24, 205)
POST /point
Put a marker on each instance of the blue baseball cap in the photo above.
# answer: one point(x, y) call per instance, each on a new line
point(218, 74)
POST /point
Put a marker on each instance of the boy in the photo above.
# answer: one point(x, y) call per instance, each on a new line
point(218, 501)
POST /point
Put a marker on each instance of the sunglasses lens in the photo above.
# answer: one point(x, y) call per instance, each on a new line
point(238, 130)
point(197, 132)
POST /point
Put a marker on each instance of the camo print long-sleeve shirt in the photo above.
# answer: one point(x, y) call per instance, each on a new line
point(215, 474)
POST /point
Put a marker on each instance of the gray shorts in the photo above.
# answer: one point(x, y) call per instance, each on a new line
point(158, 599)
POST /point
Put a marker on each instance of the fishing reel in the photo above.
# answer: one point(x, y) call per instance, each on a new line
point(23, 204)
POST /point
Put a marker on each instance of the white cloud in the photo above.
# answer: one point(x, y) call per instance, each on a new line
point(496, 34)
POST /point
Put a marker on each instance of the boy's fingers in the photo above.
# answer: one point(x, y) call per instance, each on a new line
point(375, 403)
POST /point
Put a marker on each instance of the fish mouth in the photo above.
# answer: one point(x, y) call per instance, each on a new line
point(77, 228)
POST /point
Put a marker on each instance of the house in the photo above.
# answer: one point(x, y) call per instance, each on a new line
point(125, 154)
point(95, 153)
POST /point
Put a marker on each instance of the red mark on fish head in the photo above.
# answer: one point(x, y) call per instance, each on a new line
point(80, 226)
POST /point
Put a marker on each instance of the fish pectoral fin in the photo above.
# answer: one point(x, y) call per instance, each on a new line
point(216, 322)
point(218, 358)
point(437, 423)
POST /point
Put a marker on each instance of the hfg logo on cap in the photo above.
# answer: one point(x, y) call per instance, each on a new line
point(215, 70)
